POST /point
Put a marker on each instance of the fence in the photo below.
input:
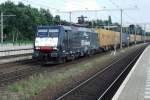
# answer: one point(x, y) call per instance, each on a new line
point(15, 49)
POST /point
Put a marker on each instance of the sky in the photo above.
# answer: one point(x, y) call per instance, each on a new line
point(135, 11)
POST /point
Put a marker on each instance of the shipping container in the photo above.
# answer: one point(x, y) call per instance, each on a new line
point(131, 38)
point(107, 38)
point(138, 38)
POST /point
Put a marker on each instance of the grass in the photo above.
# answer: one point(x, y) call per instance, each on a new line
point(36, 83)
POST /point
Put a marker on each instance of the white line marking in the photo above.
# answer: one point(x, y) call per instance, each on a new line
point(147, 82)
point(147, 92)
point(147, 85)
point(147, 88)
point(116, 96)
point(146, 96)
point(148, 76)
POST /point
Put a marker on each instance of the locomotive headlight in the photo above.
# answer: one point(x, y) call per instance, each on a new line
point(55, 48)
point(37, 48)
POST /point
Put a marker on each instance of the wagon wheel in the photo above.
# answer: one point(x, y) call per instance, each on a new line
point(62, 60)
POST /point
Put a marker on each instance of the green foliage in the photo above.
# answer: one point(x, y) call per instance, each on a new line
point(23, 25)
point(36, 83)
point(102, 23)
point(109, 20)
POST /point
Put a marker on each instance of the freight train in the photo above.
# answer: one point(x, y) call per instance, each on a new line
point(61, 43)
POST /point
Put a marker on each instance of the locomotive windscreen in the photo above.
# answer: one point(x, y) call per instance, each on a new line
point(42, 33)
point(53, 32)
point(46, 37)
point(48, 32)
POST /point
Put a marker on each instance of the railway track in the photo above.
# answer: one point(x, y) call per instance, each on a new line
point(11, 72)
point(103, 84)
point(16, 63)
point(19, 72)
point(29, 67)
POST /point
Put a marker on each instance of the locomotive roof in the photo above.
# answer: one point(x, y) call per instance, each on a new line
point(83, 29)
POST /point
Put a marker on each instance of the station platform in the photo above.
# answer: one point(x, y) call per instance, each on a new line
point(136, 85)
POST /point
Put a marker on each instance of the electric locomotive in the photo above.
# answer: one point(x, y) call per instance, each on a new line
point(61, 43)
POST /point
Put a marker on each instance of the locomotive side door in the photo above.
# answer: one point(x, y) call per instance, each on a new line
point(66, 40)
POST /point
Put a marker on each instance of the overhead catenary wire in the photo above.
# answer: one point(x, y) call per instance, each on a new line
point(121, 29)
point(42, 4)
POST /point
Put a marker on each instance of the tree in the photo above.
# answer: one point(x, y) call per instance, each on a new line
point(25, 22)
point(109, 20)
point(57, 19)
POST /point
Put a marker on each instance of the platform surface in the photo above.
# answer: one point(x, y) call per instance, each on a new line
point(136, 86)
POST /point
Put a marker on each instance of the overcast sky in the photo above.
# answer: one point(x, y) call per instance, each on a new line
point(139, 15)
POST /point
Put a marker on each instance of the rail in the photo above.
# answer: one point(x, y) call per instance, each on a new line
point(138, 52)
point(115, 81)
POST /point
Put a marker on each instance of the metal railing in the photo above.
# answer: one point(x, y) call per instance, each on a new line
point(12, 50)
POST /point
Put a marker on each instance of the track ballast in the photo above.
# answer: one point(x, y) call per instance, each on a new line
point(103, 84)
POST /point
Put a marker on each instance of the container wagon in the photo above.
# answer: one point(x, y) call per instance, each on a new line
point(107, 39)
point(147, 38)
point(138, 38)
point(132, 38)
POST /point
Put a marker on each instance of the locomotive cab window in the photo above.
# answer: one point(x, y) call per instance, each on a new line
point(42, 33)
point(53, 32)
